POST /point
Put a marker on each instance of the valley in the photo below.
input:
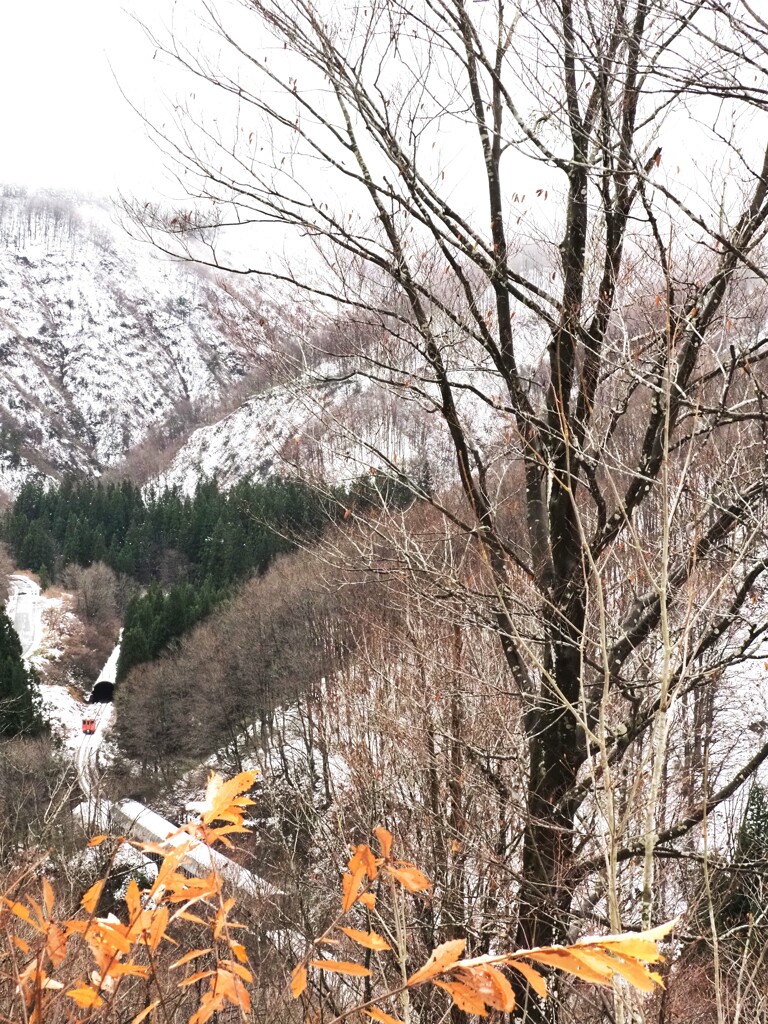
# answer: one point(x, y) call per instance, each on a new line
point(384, 525)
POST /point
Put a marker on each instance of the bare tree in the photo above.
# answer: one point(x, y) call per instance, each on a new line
point(95, 591)
point(485, 188)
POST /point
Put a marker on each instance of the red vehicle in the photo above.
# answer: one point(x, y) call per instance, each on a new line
point(89, 726)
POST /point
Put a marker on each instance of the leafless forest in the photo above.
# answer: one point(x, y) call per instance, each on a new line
point(539, 228)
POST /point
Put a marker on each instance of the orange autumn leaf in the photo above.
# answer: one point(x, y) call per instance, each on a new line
point(350, 887)
point(564, 960)
point(145, 1012)
point(209, 1004)
point(383, 1018)
point(85, 997)
point(465, 998)
point(636, 973)
point(184, 915)
point(231, 987)
point(532, 976)
point(363, 855)
point(298, 980)
point(91, 897)
point(235, 968)
point(192, 955)
point(157, 928)
point(384, 837)
point(133, 900)
point(640, 945)
point(20, 910)
point(410, 877)
point(341, 967)
point(370, 940)
point(224, 801)
point(490, 985)
point(197, 976)
point(367, 899)
point(96, 840)
point(239, 950)
point(56, 944)
point(48, 897)
point(599, 960)
point(442, 959)
point(118, 970)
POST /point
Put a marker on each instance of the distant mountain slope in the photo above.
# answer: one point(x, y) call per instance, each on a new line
point(100, 338)
point(334, 430)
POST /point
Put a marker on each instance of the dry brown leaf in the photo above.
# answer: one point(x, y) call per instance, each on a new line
point(465, 998)
point(383, 1018)
point(341, 967)
point(371, 940)
point(298, 980)
point(442, 959)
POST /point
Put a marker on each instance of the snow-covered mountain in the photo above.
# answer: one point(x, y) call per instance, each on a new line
point(316, 426)
point(100, 338)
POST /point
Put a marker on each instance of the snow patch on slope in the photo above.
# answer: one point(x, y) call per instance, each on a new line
point(318, 427)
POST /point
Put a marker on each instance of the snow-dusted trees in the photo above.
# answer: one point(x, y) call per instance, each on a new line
point(549, 220)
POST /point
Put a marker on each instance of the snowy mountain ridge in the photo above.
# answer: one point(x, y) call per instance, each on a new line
point(100, 338)
point(103, 339)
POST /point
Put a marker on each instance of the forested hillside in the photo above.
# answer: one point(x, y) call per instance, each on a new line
point(188, 551)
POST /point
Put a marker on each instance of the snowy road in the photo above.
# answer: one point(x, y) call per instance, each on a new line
point(25, 610)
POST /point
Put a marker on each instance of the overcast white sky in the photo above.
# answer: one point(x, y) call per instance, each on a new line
point(63, 121)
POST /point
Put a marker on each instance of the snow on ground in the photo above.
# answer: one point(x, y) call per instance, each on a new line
point(321, 429)
point(109, 672)
point(64, 712)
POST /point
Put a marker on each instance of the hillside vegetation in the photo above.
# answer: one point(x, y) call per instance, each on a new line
point(185, 552)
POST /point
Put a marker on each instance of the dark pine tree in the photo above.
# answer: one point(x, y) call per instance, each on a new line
point(19, 699)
